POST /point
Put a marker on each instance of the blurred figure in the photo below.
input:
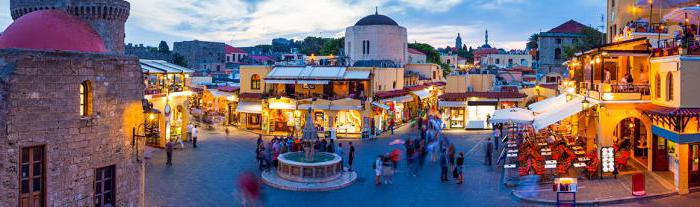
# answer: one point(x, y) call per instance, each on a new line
point(443, 165)
point(489, 152)
point(351, 156)
point(458, 169)
point(378, 170)
point(169, 152)
point(250, 189)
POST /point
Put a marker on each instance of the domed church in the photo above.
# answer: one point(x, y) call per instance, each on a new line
point(376, 41)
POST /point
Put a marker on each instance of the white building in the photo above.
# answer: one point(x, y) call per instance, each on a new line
point(416, 56)
point(376, 40)
point(506, 60)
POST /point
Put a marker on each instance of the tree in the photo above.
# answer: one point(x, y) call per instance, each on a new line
point(591, 38)
point(332, 46)
point(163, 47)
point(532, 41)
point(179, 60)
point(431, 55)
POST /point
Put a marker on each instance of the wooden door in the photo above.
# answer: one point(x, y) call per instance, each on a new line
point(660, 154)
point(32, 177)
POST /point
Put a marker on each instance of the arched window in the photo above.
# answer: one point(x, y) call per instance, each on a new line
point(498, 61)
point(669, 87)
point(255, 82)
point(657, 86)
point(85, 98)
point(557, 53)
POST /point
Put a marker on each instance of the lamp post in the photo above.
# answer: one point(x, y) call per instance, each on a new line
point(651, 8)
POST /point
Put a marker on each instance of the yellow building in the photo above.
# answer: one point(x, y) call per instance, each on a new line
point(167, 90)
point(344, 100)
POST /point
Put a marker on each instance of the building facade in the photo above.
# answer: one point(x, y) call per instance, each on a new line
point(72, 107)
point(550, 46)
point(376, 39)
point(506, 60)
point(202, 55)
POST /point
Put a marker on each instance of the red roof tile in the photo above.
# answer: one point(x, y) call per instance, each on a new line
point(230, 49)
point(489, 95)
point(415, 88)
point(569, 27)
point(668, 111)
point(414, 51)
point(509, 89)
point(390, 94)
point(229, 88)
point(549, 85)
point(250, 95)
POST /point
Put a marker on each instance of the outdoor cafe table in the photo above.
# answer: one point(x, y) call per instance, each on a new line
point(546, 150)
point(580, 165)
point(579, 152)
point(509, 166)
point(513, 151)
point(546, 153)
point(550, 162)
point(583, 159)
point(512, 145)
point(577, 148)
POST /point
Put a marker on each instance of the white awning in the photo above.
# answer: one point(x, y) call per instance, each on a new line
point(282, 105)
point(558, 113)
point(548, 104)
point(322, 82)
point(400, 99)
point(218, 93)
point(281, 81)
point(380, 105)
point(422, 94)
point(249, 107)
point(341, 108)
point(452, 104)
point(512, 115)
point(356, 75)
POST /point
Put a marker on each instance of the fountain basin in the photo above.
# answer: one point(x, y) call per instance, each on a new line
point(325, 167)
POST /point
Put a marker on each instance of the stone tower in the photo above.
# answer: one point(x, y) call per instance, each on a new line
point(107, 17)
point(458, 42)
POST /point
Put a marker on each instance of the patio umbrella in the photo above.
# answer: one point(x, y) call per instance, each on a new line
point(512, 115)
point(679, 15)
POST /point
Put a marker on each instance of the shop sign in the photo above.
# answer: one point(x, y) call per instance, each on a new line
point(565, 185)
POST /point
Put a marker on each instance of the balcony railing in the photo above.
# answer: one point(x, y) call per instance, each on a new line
point(615, 91)
point(677, 46)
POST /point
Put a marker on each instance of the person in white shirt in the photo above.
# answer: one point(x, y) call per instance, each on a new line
point(189, 132)
point(195, 134)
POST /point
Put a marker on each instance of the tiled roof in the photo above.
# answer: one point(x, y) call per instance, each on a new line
point(415, 88)
point(549, 85)
point(509, 89)
point(230, 49)
point(250, 95)
point(229, 88)
point(569, 27)
point(489, 95)
point(414, 51)
point(668, 111)
point(390, 94)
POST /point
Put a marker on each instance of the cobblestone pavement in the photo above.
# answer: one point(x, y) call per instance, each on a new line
point(206, 176)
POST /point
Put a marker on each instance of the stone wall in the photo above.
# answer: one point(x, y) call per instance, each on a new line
point(200, 54)
point(39, 106)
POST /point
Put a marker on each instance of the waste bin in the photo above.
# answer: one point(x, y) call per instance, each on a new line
point(638, 188)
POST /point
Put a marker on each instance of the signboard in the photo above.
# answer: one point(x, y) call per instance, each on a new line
point(607, 159)
point(566, 185)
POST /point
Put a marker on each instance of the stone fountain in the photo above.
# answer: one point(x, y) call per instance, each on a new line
point(309, 170)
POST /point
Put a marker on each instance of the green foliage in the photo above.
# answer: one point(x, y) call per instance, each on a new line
point(179, 60)
point(163, 47)
point(532, 42)
point(332, 46)
point(591, 38)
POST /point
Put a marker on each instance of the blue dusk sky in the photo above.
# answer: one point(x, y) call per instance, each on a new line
point(437, 22)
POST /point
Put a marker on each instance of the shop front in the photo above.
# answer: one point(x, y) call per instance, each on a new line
point(169, 119)
point(282, 117)
point(453, 114)
point(250, 114)
point(478, 114)
point(380, 116)
point(400, 108)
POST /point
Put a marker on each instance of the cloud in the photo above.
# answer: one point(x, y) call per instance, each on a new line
point(440, 36)
point(431, 5)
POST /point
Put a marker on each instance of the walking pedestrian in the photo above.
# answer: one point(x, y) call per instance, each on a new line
point(460, 164)
point(195, 135)
point(189, 132)
point(169, 152)
point(391, 126)
point(260, 156)
point(378, 164)
point(339, 152)
point(351, 156)
point(250, 189)
point(331, 146)
point(451, 156)
point(388, 168)
point(489, 152)
point(443, 166)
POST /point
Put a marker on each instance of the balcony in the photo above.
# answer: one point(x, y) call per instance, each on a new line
point(681, 46)
point(615, 91)
point(158, 89)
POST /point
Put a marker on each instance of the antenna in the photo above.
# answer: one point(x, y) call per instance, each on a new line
point(376, 10)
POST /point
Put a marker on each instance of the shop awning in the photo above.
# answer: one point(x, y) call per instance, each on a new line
point(548, 104)
point(281, 81)
point(314, 106)
point(321, 82)
point(341, 108)
point(512, 115)
point(461, 104)
point(381, 105)
point(218, 93)
point(282, 105)
point(558, 113)
point(400, 99)
point(422, 94)
point(249, 107)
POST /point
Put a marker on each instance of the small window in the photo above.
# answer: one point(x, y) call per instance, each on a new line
point(669, 87)
point(104, 186)
point(394, 84)
point(498, 61)
point(255, 82)
point(434, 74)
point(557, 53)
point(85, 98)
point(558, 41)
point(368, 47)
point(32, 176)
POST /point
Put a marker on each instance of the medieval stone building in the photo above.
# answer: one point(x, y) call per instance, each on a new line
point(68, 105)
